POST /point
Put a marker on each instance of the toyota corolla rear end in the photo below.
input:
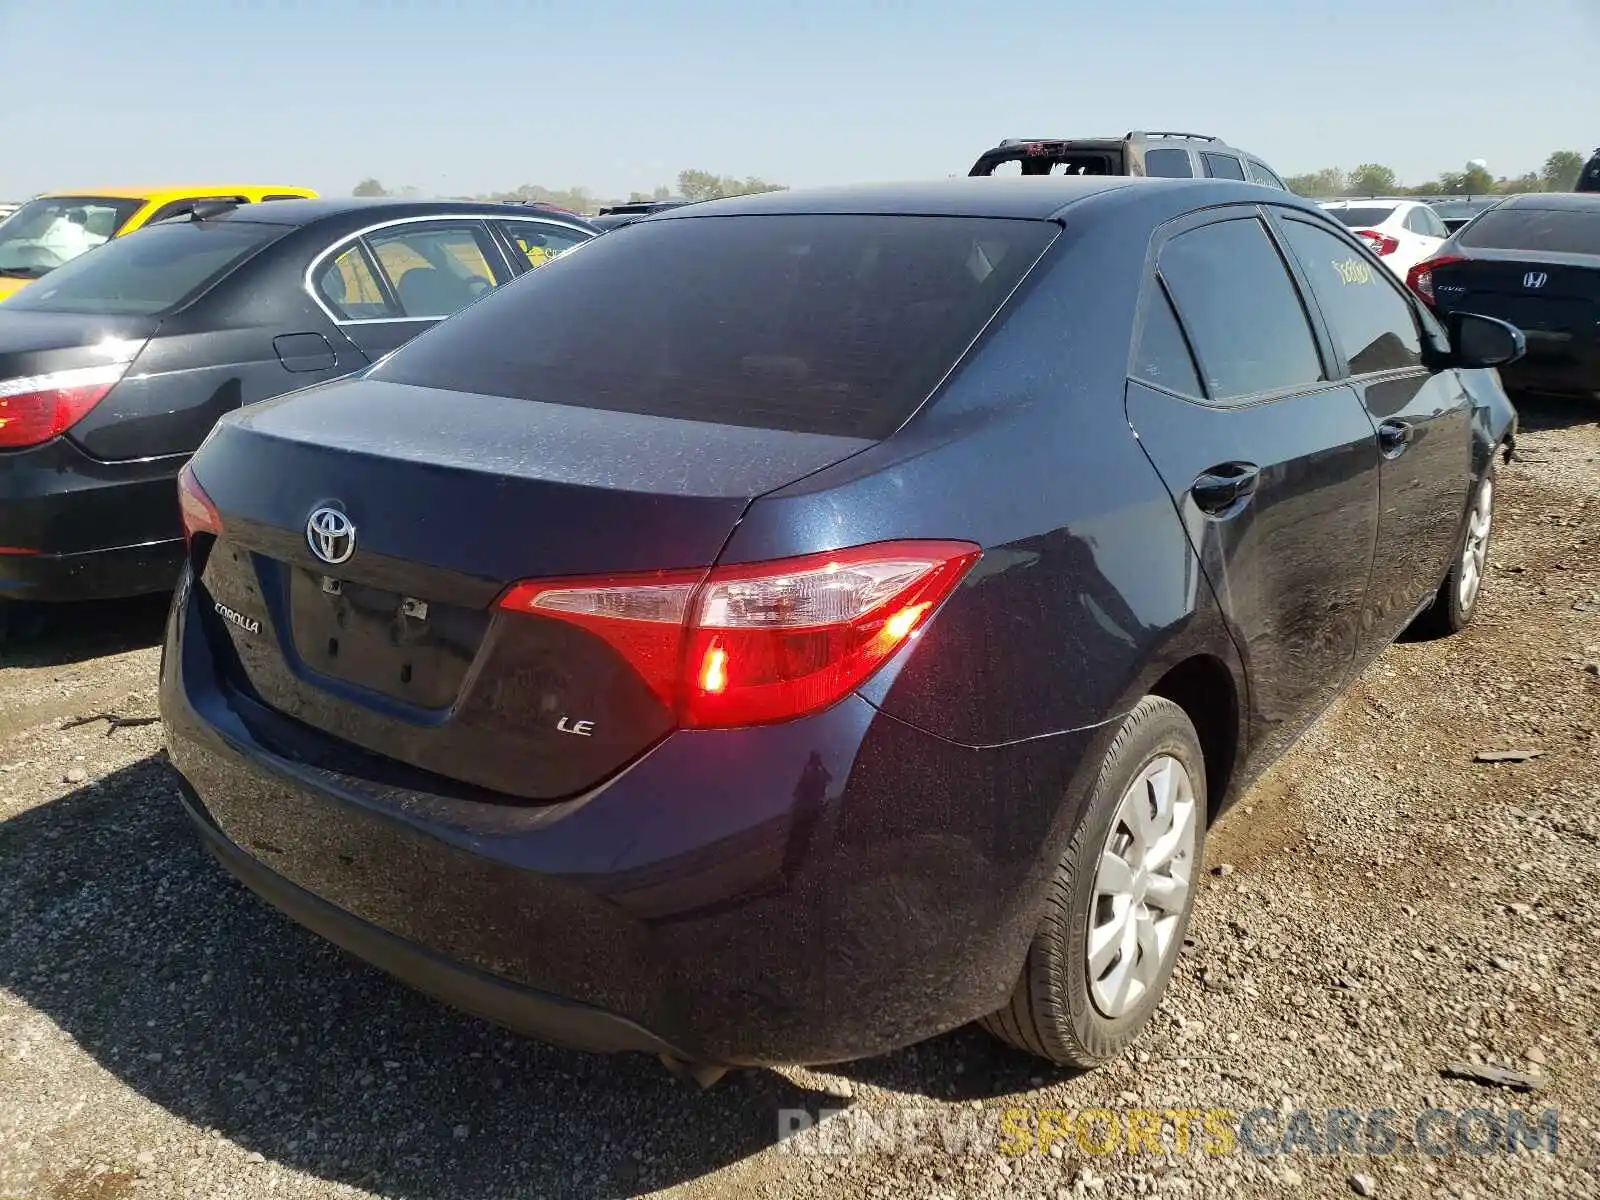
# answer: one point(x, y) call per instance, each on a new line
point(475, 671)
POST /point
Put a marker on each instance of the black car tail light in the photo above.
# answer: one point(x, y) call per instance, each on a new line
point(756, 643)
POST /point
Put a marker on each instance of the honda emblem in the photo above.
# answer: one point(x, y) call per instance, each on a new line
point(1535, 279)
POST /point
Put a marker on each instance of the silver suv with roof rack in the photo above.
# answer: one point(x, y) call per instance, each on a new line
point(1161, 153)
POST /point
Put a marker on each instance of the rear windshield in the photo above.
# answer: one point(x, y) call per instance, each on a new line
point(1461, 210)
point(44, 233)
point(148, 271)
point(1364, 217)
point(1563, 231)
point(833, 324)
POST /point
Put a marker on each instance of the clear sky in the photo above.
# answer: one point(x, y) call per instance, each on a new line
point(473, 96)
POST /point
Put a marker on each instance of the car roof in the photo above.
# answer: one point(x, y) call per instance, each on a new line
point(1039, 199)
point(173, 191)
point(1567, 201)
point(305, 212)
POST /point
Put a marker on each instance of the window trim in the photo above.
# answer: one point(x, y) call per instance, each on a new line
point(308, 284)
point(359, 245)
point(1379, 269)
point(1326, 352)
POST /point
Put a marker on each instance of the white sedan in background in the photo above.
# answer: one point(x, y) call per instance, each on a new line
point(1401, 232)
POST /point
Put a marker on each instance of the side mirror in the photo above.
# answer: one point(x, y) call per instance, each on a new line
point(1477, 341)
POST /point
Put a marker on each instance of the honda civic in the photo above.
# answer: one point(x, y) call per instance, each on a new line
point(797, 625)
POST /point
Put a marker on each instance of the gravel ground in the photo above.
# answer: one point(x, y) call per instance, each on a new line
point(1379, 907)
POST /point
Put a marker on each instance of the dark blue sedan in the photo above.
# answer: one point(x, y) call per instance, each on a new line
point(797, 625)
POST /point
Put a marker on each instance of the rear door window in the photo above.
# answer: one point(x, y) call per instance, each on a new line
point(1223, 166)
point(1170, 163)
point(836, 324)
point(540, 241)
point(435, 268)
point(155, 269)
point(1371, 321)
point(1556, 230)
point(1241, 309)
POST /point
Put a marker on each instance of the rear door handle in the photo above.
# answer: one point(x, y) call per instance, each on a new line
point(1394, 437)
point(1224, 486)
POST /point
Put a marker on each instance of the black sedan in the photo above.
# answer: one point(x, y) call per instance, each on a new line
point(115, 367)
point(796, 625)
point(1534, 261)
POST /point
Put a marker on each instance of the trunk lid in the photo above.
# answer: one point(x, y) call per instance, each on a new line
point(36, 343)
point(399, 649)
point(1553, 299)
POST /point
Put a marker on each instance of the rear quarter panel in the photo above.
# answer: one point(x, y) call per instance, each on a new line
point(217, 355)
point(1088, 588)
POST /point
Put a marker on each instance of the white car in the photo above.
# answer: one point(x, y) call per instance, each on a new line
point(1401, 232)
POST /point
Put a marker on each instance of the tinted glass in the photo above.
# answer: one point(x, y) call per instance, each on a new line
point(540, 242)
point(827, 324)
point(348, 287)
point(43, 234)
point(1364, 217)
point(1564, 231)
point(1223, 166)
point(1168, 164)
point(1163, 358)
point(433, 269)
point(1241, 309)
point(149, 271)
point(1370, 320)
point(1261, 174)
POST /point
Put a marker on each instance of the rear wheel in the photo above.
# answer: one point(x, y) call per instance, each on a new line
point(1119, 904)
point(1457, 600)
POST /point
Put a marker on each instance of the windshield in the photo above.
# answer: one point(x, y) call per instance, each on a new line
point(44, 233)
point(1364, 217)
point(148, 271)
point(835, 324)
point(1562, 231)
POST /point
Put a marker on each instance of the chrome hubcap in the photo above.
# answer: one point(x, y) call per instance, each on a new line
point(1475, 551)
point(1141, 886)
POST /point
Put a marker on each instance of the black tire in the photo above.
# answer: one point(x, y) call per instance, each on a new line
point(1449, 614)
point(1051, 1012)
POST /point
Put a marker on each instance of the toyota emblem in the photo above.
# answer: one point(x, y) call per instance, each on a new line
point(331, 535)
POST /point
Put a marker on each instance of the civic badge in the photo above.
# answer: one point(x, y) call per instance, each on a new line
point(331, 535)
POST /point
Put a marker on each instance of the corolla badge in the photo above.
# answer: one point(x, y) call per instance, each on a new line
point(331, 535)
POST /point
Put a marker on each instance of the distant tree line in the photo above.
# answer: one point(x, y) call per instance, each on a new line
point(1559, 174)
point(692, 185)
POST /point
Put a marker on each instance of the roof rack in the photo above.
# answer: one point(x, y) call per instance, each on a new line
point(1171, 133)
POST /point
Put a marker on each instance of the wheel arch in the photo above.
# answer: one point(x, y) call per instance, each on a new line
point(1204, 687)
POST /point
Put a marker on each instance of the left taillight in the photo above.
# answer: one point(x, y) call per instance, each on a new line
point(195, 509)
point(759, 643)
point(1381, 243)
point(36, 408)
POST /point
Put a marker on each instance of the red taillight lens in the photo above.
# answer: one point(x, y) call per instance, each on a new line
point(1380, 243)
point(195, 509)
point(36, 408)
point(1420, 278)
point(758, 643)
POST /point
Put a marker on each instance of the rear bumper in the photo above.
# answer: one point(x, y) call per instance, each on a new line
point(1562, 378)
point(90, 530)
point(803, 893)
point(550, 1018)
